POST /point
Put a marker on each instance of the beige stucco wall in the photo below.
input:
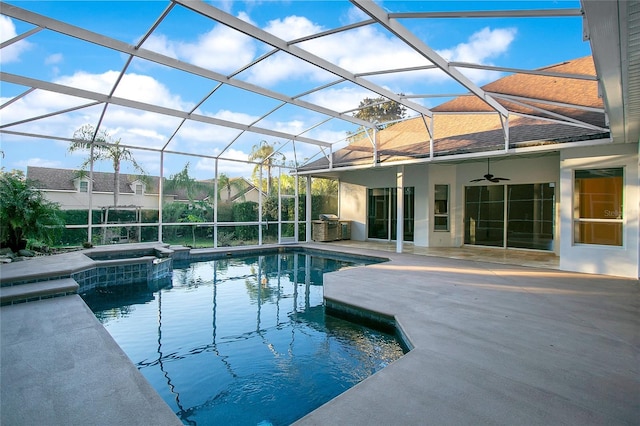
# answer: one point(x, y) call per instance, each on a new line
point(73, 200)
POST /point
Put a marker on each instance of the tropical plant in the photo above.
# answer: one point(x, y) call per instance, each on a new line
point(25, 213)
point(101, 146)
point(226, 183)
point(264, 153)
point(195, 189)
point(192, 218)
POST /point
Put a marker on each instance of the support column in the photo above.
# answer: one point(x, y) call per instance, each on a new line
point(399, 208)
point(216, 190)
point(160, 197)
point(90, 189)
point(307, 213)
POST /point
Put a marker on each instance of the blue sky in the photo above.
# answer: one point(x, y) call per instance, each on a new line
point(518, 43)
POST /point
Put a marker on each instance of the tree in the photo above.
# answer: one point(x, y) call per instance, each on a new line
point(265, 153)
point(25, 213)
point(104, 148)
point(193, 187)
point(380, 111)
point(225, 182)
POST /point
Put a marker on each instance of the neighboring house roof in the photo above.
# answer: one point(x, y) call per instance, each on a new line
point(456, 131)
point(64, 179)
point(53, 179)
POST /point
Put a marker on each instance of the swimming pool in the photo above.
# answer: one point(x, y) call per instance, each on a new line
point(243, 340)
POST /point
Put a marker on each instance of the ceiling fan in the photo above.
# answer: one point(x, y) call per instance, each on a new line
point(489, 176)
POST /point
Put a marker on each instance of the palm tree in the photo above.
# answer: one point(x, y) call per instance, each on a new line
point(264, 152)
point(104, 148)
point(225, 182)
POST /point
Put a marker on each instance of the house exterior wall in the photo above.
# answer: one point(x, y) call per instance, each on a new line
point(599, 259)
point(444, 174)
point(74, 200)
point(556, 168)
point(423, 177)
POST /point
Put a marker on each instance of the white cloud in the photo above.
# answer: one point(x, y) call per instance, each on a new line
point(292, 27)
point(481, 47)
point(354, 15)
point(53, 59)
point(237, 117)
point(12, 52)
point(221, 49)
point(39, 162)
point(343, 99)
point(367, 49)
point(230, 168)
point(161, 44)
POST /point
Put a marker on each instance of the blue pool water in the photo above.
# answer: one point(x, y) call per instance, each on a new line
point(243, 340)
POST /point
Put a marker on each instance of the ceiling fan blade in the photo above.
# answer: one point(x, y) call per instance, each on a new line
point(477, 180)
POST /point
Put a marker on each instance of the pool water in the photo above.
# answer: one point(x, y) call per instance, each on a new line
point(243, 340)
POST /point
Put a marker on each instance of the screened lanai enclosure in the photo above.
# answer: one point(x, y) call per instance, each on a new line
point(213, 124)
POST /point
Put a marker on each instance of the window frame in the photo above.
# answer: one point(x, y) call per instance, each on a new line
point(83, 184)
point(445, 215)
point(576, 220)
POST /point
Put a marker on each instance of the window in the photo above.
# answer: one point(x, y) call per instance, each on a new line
point(441, 208)
point(84, 186)
point(598, 206)
point(139, 189)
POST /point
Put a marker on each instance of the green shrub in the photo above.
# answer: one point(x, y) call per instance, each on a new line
point(25, 213)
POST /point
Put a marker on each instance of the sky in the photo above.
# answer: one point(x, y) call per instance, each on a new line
point(527, 43)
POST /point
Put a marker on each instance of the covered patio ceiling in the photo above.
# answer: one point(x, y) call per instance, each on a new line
point(612, 28)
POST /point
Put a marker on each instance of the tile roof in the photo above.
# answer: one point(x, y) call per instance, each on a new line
point(63, 179)
point(457, 131)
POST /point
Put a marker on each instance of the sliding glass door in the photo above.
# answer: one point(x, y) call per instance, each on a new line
point(382, 214)
point(484, 216)
point(529, 210)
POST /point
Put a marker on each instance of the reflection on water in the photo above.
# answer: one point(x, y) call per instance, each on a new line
point(243, 341)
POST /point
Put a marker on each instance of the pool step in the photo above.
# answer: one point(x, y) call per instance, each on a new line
point(30, 292)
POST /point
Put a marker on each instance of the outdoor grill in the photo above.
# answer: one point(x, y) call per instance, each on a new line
point(330, 228)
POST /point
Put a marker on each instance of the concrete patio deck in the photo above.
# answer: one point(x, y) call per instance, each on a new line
point(493, 344)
